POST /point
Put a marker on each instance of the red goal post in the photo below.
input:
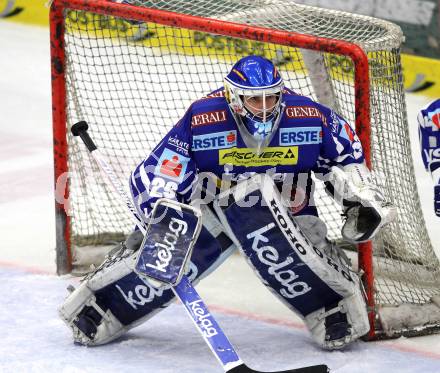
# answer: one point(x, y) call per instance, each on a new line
point(361, 98)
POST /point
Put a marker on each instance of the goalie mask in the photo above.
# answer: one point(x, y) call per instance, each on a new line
point(253, 89)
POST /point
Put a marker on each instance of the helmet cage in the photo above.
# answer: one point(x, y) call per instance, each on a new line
point(235, 92)
point(254, 76)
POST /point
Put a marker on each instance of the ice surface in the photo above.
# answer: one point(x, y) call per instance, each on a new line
point(267, 336)
point(36, 340)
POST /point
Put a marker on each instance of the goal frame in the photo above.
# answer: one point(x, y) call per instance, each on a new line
point(212, 26)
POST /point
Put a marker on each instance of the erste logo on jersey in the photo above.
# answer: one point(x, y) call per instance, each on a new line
point(293, 112)
point(271, 156)
point(217, 140)
point(171, 165)
point(300, 136)
point(210, 117)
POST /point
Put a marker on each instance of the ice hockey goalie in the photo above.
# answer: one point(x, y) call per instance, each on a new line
point(242, 154)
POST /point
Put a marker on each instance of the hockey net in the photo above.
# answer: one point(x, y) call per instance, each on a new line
point(133, 81)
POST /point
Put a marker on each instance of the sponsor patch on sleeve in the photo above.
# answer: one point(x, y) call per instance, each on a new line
point(346, 131)
point(434, 116)
point(172, 165)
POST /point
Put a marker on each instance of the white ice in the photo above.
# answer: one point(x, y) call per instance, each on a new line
point(33, 339)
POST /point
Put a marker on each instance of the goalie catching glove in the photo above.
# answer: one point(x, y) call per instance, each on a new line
point(365, 207)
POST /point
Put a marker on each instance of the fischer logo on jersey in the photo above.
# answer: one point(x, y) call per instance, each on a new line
point(172, 165)
point(300, 136)
point(208, 118)
point(218, 140)
point(165, 248)
point(271, 156)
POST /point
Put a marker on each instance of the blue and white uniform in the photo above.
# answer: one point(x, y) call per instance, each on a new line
point(252, 125)
point(309, 137)
point(208, 141)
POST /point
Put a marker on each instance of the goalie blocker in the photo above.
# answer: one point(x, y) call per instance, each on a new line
point(114, 298)
point(320, 288)
point(168, 242)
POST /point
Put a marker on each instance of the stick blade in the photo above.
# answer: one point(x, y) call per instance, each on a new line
point(243, 368)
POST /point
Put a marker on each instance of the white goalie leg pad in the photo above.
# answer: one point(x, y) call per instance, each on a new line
point(106, 331)
point(350, 311)
point(316, 231)
point(296, 266)
point(117, 265)
point(353, 308)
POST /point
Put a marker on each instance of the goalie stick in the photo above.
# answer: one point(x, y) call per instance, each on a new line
point(194, 305)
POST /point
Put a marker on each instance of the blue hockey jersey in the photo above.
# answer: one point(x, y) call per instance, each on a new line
point(206, 140)
point(429, 135)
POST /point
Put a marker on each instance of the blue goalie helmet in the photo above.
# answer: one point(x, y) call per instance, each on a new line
point(253, 89)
